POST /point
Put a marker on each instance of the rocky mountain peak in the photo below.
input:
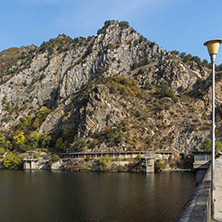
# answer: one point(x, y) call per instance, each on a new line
point(116, 90)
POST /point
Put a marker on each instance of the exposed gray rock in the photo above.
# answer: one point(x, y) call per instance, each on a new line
point(57, 165)
point(55, 79)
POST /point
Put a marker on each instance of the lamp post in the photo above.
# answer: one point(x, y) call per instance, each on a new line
point(213, 47)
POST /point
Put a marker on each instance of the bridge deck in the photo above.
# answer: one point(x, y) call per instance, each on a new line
point(165, 153)
point(218, 190)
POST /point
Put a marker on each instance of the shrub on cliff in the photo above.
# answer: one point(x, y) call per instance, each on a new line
point(2, 151)
point(59, 145)
point(124, 24)
point(55, 158)
point(165, 91)
point(159, 165)
point(103, 162)
point(43, 112)
point(2, 140)
point(138, 157)
point(34, 138)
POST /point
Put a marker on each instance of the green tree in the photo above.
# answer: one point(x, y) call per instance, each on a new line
point(175, 52)
point(103, 162)
point(21, 125)
point(12, 160)
point(206, 146)
point(138, 157)
point(43, 46)
point(59, 48)
point(8, 145)
point(45, 140)
point(164, 91)
point(218, 67)
point(69, 133)
point(59, 144)
point(55, 158)
point(124, 24)
point(110, 135)
point(182, 55)
point(50, 50)
point(34, 139)
point(196, 59)
point(2, 151)
point(29, 119)
point(205, 62)
point(25, 121)
point(187, 58)
point(43, 112)
point(2, 140)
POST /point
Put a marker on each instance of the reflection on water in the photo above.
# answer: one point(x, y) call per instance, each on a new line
point(68, 196)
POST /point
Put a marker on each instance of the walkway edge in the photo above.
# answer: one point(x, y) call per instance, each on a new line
point(198, 207)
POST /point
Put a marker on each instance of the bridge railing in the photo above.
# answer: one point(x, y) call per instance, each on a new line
point(198, 207)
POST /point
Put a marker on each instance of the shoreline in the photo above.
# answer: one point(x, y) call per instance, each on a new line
point(104, 163)
point(110, 170)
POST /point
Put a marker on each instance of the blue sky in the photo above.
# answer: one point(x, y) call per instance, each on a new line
point(182, 25)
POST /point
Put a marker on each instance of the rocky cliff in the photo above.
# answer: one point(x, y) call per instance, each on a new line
point(116, 90)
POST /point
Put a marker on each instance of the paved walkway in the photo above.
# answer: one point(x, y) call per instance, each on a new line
point(218, 190)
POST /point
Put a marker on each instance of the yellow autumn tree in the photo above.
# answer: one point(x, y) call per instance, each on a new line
point(19, 139)
point(43, 112)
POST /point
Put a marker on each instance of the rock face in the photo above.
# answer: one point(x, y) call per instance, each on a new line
point(104, 92)
point(57, 165)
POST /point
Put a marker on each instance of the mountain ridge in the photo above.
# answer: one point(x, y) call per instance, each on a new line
point(113, 91)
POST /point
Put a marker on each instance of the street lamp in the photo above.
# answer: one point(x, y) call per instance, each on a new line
point(213, 47)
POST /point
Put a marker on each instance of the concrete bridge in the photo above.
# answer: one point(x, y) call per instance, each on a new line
point(147, 161)
point(158, 154)
point(198, 208)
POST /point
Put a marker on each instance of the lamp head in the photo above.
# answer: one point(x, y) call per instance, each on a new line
point(213, 46)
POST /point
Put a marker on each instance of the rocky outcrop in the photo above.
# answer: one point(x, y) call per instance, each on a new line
point(75, 79)
point(57, 165)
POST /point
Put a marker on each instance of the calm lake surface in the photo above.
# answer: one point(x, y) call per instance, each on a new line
point(70, 196)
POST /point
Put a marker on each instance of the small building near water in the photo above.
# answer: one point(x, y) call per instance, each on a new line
point(30, 163)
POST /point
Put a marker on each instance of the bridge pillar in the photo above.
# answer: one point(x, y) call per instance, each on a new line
point(30, 164)
point(148, 162)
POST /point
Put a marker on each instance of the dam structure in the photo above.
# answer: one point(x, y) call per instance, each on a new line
point(199, 207)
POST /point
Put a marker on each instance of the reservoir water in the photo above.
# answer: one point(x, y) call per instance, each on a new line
point(70, 196)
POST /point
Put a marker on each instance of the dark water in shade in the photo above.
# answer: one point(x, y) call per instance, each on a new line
point(69, 196)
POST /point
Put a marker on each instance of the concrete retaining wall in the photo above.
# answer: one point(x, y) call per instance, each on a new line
point(198, 207)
